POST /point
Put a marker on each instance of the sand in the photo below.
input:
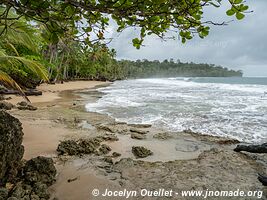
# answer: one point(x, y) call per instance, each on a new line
point(51, 92)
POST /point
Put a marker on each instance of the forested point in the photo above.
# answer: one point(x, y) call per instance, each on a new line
point(169, 68)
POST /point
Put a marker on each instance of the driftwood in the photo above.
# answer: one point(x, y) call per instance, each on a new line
point(252, 148)
point(27, 92)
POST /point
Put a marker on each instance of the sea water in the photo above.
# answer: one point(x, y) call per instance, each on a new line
point(231, 107)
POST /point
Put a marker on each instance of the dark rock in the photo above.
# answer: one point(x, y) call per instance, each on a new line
point(108, 160)
point(18, 191)
point(6, 105)
point(116, 154)
point(138, 131)
point(3, 193)
point(41, 190)
point(82, 146)
point(140, 125)
point(25, 106)
point(72, 179)
point(262, 179)
point(252, 148)
point(10, 147)
point(110, 137)
point(69, 147)
point(138, 136)
point(104, 149)
point(40, 170)
point(141, 152)
point(12, 198)
point(163, 136)
point(2, 97)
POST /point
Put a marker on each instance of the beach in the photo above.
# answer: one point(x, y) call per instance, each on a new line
point(180, 161)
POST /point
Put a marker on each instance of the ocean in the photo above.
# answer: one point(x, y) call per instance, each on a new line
point(231, 107)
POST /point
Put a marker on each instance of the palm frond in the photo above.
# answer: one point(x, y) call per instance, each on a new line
point(7, 81)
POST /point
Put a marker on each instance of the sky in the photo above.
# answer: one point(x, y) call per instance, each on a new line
point(241, 45)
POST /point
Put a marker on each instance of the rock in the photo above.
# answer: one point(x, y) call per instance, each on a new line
point(106, 128)
point(2, 97)
point(69, 147)
point(140, 125)
point(25, 106)
point(39, 170)
point(141, 152)
point(110, 137)
point(116, 154)
point(18, 191)
point(104, 149)
point(10, 147)
point(82, 146)
point(12, 198)
point(134, 130)
point(3, 193)
point(262, 179)
point(138, 136)
point(108, 160)
point(41, 190)
point(252, 148)
point(163, 136)
point(6, 105)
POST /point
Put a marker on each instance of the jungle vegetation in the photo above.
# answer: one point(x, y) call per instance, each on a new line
point(54, 40)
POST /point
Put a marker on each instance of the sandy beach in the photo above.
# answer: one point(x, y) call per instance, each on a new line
point(180, 161)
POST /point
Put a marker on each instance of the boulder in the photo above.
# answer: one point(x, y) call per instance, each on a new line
point(3, 193)
point(141, 152)
point(163, 136)
point(6, 105)
point(138, 136)
point(116, 154)
point(39, 170)
point(10, 147)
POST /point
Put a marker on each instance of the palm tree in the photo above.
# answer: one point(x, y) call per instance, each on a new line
point(17, 32)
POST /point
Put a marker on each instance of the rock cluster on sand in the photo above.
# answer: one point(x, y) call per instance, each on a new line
point(25, 106)
point(141, 152)
point(134, 130)
point(85, 146)
point(10, 147)
point(17, 181)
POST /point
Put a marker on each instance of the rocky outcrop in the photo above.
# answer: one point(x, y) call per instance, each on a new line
point(6, 105)
point(138, 136)
point(252, 148)
point(86, 146)
point(141, 152)
point(134, 130)
point(82, 146)
point(10, 147)
point(163, 136)
point(25, 106)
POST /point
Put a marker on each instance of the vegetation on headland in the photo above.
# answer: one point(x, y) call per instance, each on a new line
point(62, 40)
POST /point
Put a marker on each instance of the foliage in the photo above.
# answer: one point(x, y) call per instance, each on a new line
point(88, 19)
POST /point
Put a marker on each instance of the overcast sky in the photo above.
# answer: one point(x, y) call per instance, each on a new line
point(239, 45)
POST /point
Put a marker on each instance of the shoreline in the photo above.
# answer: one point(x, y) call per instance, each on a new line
point(183, 160)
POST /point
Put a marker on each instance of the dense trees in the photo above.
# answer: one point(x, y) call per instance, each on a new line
point(145, 69)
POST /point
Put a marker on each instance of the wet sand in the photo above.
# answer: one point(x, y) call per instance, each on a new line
point(183, 161)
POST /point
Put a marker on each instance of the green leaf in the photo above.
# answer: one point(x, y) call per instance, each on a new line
point(230, 12)
point(239, 15)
